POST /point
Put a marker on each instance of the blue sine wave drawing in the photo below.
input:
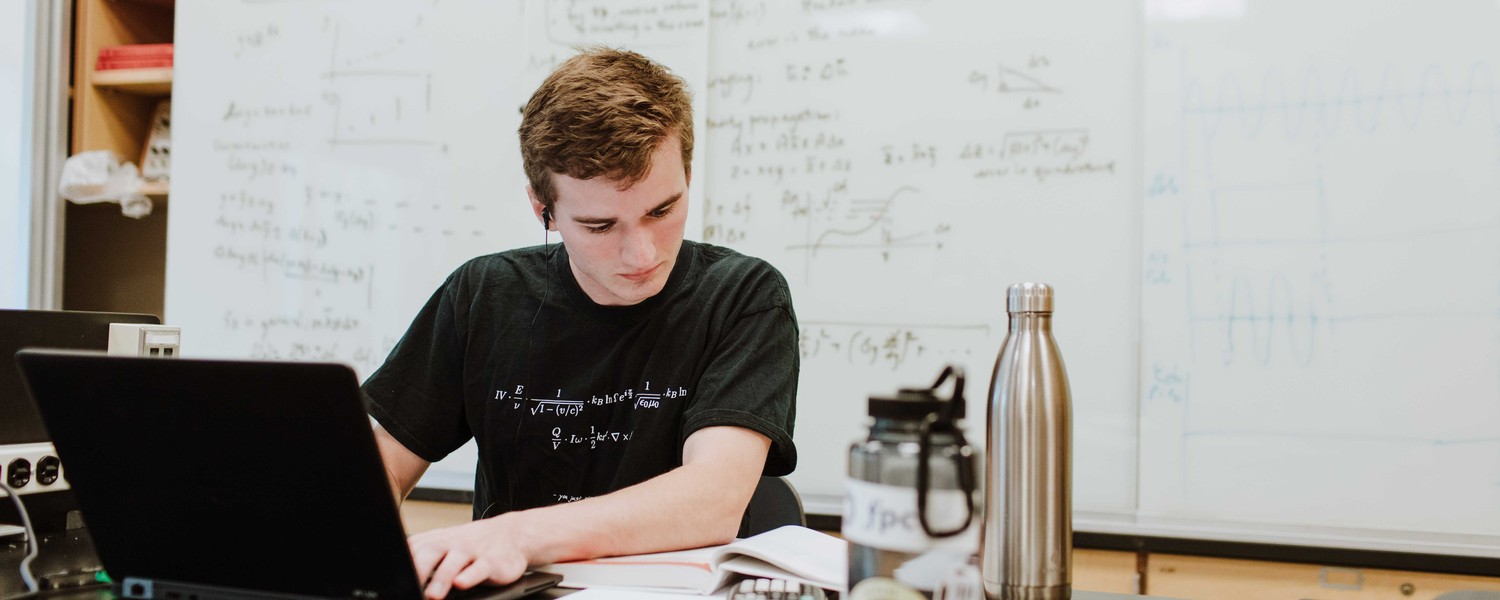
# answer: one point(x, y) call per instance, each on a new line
point(1310, 99)
point(1274, 319)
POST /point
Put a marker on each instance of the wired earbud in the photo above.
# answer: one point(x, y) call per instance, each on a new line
point(511, 484)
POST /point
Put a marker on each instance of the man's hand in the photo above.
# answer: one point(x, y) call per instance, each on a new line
point(467, 555)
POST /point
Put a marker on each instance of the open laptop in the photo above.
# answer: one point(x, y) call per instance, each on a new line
point(203, 479)
point(21, 430)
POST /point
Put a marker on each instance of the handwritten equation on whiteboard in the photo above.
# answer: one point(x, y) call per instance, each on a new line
point(632, 23)
point(329, 188)
point(887, 346)
point(812, 163)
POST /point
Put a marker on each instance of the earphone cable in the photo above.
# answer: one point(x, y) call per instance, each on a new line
point(32, 547)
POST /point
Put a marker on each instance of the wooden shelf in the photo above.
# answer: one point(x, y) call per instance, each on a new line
point(112, 262)
point(143, 82)
point(156, 190)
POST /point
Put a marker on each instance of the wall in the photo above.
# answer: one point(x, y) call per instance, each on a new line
point(15, 197)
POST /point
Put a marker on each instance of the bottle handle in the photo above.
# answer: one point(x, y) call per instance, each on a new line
point(962, 461)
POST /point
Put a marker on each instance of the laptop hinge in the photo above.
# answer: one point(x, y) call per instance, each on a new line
point(138, 588)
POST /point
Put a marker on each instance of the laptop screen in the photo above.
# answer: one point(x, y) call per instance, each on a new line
point(19, 423)
point(238, 474)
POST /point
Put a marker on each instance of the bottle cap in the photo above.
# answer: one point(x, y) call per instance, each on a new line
point(1029, 297)
point(911, 404)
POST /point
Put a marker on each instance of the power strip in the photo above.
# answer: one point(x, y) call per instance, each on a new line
point(32, 468)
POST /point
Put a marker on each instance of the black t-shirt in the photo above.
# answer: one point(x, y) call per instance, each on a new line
point(568, 399)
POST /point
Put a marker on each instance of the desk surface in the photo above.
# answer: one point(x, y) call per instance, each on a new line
point(1077, 595)
point(100, 594)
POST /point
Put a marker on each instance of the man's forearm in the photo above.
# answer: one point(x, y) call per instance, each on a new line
point(688, 507)
point(698, 504)
point(402, 467)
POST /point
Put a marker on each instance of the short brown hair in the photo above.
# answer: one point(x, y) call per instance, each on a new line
point(603, 113)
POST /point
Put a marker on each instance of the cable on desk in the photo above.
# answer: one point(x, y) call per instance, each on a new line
point(33, 548)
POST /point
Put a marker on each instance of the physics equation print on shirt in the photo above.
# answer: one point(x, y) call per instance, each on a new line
point(568, 427)
point(562, 407)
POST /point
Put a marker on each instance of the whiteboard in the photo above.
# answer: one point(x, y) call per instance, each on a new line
point(1321, 292)
point(1240, 292)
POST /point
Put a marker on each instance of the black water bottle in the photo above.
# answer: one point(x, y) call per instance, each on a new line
point(909, 506)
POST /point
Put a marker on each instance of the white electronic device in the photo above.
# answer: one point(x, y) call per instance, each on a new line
point(135, 339)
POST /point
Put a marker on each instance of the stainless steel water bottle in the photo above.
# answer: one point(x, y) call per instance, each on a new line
point(1026, 547)
point(909, 513)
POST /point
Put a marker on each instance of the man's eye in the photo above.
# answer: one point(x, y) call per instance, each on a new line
point(601, 228)
point(662, 212)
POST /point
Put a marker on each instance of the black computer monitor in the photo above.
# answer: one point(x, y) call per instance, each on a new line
point(67, 329)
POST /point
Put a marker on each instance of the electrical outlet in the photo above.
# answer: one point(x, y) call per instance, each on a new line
point(155, 341)
point(31, 468)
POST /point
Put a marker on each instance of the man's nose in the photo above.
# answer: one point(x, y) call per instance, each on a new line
point(638, 249)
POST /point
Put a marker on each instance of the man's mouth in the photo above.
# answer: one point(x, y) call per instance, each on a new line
point(641, 275)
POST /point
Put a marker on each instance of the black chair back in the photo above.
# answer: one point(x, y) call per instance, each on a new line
point(775, 503)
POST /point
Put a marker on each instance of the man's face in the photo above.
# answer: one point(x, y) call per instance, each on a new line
point(622, 245)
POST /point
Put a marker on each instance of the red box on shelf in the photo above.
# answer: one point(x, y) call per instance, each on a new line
point(111, 65)
point(136, 51)
point(134, 56)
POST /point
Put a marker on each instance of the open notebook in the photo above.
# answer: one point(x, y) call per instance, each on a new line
point(793, 553)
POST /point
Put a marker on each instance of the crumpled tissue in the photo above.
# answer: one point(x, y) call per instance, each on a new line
point(100, 176)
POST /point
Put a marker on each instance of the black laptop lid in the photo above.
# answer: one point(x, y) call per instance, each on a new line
point(240, 474)
point(73, 330)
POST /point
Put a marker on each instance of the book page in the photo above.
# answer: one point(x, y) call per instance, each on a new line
point(791, 552)
point(815, 557)
point(685, 571)
point(738, 566)
point(616, 594)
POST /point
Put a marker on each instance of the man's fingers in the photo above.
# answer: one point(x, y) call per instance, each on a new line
point(425, 558)
point(474, 574)
point(442, 577)
point(462, 557)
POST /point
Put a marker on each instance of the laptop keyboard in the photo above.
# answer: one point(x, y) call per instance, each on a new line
point(478, 591)
point(528, 584)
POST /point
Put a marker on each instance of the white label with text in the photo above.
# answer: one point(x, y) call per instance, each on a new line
point(885, 517)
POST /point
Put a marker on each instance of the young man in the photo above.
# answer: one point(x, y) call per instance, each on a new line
point(626, 388)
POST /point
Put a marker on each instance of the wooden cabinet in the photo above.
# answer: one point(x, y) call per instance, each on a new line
point(1195, 578)
point(420, 516)
point(1111, 571)
point(112, 262)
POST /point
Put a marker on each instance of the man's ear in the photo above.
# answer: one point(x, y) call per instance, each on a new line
point(537, 207)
